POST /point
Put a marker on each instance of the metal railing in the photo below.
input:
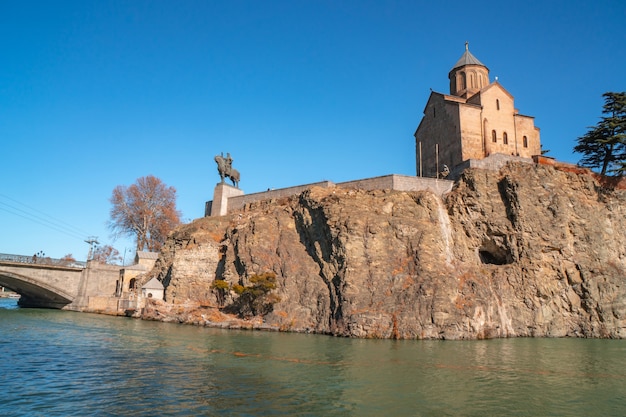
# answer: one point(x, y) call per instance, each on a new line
point(39, 260)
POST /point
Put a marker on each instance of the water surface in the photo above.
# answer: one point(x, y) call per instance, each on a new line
point(57, 363)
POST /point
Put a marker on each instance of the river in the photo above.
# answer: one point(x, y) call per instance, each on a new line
point(58, 363)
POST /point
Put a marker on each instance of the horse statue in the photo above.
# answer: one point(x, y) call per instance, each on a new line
point(226, 170)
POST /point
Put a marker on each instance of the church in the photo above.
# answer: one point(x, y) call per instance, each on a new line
point(476, 125)
point(477, 119)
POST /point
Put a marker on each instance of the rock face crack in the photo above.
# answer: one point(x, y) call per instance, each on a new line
point(313, 228)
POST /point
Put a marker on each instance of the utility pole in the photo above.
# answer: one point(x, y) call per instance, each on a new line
point(92, 241)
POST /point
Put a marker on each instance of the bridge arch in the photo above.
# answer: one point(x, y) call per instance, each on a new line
point(34, 292)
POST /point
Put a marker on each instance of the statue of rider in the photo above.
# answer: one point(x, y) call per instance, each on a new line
point(229, 163)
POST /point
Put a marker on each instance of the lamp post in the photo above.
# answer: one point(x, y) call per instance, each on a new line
point(124, 259)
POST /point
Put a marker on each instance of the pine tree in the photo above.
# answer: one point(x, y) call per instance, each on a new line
point(604, 145)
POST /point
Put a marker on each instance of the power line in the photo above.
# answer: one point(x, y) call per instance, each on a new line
point(36, 219)
point(50, 226)
point(61, 222)
point(49, 222)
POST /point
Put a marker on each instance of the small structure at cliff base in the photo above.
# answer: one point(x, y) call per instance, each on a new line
point(153, 289)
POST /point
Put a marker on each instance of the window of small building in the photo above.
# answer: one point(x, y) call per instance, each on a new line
point(505, 138)
point(434, 113)
point(525, 142)
point(497, 104)
point(493, 136)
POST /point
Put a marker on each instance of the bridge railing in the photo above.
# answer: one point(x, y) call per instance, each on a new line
point(41, 260)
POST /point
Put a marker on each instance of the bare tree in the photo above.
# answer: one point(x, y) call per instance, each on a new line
point(67, 259)
point(107, 255)
point(146, 211)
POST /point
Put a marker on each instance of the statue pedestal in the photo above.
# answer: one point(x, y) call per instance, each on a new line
point(219, 205)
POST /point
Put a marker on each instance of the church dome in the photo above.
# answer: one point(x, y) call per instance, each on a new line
point(467, 59)
point(468, 76)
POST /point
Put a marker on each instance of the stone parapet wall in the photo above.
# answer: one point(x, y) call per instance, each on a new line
point(493, 162)
point(387, 182)
point(401, 183)
point(396, 182)
point(238, 202)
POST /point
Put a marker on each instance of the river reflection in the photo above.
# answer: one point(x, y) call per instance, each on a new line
point(55, 363)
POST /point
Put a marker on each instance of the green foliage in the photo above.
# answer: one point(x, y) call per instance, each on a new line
point(254, 299)
point(604, 145)
point(222, 288)
point(262, 283)
point(220, 284)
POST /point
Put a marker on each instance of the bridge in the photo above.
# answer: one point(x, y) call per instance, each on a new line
point(57, 283)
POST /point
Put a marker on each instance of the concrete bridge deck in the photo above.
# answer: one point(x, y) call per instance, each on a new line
point(47, 286)
point(51, 284)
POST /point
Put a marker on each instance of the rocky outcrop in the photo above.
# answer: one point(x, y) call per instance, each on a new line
point(527, 251)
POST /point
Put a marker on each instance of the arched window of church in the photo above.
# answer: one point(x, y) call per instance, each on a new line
point(434, 113)
point(493, 136)
point(472, 83)
point(497, 104)
point(525, 142)
point(505, 138)
point(462, 81)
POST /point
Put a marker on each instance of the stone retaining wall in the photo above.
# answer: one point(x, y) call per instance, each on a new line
point(401, 183)
point(493, 162)
point(238, 202)
point(386, 182)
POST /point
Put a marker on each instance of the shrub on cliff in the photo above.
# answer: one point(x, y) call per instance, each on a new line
point(255, 299)
point(221, 287)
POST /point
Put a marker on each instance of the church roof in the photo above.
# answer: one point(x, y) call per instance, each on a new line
point(467, 59)
point(147, 255)
point(153, 284)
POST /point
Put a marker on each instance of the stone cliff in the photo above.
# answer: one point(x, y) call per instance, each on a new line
point(526, 251)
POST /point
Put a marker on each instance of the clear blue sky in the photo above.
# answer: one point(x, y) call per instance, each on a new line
point(95, 94)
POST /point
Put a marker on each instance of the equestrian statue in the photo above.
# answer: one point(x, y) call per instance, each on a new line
point(226, 170)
